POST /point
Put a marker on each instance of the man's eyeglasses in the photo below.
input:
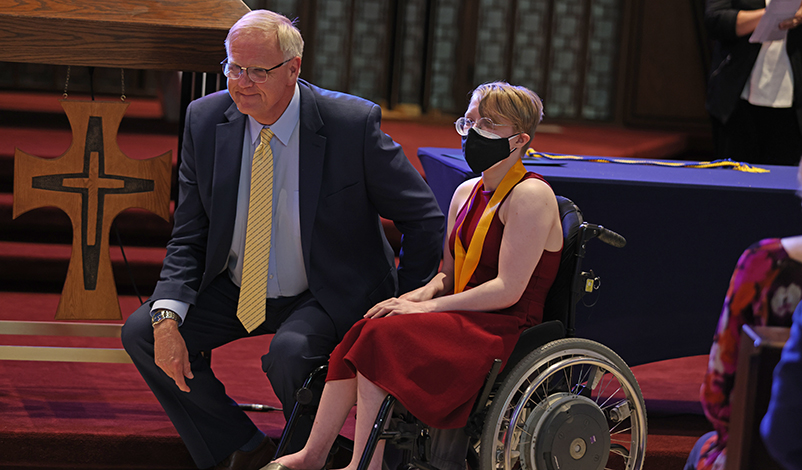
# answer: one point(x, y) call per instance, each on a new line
point(484, 126)
point(256, 74)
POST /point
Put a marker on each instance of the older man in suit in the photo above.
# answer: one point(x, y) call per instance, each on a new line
point(321, 262)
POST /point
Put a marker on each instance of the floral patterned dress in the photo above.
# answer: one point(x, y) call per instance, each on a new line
point(764, 290)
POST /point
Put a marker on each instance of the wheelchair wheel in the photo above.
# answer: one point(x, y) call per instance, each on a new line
point(572, 403)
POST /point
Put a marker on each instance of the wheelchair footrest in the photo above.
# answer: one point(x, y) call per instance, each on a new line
point(405, 434)
point(408, 433)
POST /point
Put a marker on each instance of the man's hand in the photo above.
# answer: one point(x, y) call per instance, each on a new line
point(170, 353)
point(794, 21)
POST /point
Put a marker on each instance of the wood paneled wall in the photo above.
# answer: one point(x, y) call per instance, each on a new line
point(665, 56)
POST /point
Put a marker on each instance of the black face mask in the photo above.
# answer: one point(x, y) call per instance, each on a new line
point(481, 152)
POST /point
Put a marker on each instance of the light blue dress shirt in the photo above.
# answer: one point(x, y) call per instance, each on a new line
point(286, 271)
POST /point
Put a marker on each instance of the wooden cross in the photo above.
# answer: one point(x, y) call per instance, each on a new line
point(92, 182)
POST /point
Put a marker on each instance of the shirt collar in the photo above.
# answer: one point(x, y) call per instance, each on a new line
point(285, 125)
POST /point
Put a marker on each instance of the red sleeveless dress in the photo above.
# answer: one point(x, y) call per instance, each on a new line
point(436, 363)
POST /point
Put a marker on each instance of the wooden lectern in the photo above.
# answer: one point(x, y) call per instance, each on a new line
point(137, 34)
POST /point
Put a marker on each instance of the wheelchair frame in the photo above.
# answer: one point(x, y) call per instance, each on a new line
point(554, 385)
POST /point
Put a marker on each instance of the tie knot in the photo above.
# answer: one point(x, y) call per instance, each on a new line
point(266, 135)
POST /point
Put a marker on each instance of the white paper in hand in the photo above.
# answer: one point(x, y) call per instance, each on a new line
point(768, 29)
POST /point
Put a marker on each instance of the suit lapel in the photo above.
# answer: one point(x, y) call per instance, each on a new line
point(227, 165)
point(310, 171)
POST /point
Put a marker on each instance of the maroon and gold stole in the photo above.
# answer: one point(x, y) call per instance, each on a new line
point(465, 262)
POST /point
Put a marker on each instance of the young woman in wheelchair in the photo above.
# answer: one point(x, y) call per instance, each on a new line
point(503, 251)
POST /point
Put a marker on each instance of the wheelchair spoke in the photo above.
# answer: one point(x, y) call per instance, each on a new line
point(605, 381)
point(580, 385)
point(621, 431)
point(617, 405)
point(612, 395)
point(615, 430)
point(524, 433)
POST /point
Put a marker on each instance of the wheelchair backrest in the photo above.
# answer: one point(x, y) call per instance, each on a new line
point(560, 304)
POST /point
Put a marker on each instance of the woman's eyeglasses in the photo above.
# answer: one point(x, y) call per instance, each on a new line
point(484, 126)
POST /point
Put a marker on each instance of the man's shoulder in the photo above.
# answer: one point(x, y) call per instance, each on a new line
point(334, 101)
point(218, 101)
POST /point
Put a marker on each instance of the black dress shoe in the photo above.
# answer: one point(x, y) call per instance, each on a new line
point(252, 460)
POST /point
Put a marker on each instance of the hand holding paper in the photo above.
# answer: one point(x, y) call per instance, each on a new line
point(780, 16)
point(794, 21)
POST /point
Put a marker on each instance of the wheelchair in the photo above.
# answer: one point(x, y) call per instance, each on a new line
point(561, 402)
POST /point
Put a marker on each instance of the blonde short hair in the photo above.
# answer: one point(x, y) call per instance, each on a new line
point(267, 22)
point(518, 105)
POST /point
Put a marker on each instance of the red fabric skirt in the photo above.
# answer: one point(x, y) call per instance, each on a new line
point(434, 363)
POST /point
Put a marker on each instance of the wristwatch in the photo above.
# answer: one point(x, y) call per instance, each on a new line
point(162, 314)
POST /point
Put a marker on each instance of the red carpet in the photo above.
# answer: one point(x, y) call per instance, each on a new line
point(50, 409)
point(56, 415)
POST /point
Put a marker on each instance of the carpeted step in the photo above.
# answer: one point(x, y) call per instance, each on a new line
point(51, 143)
point(43, 266)
point(43, 110)
point(103, 416)
point(73, 415)
point(136, 227)
point(74, 451)
point(672, 387)
point(672, 436)
point(671, 391)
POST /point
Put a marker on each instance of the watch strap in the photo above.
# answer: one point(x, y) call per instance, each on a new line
point(159, 315)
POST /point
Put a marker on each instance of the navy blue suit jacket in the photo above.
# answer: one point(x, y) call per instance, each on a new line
point(351, 173)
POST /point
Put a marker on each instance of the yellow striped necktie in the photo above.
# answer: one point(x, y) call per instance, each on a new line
point(253, 289)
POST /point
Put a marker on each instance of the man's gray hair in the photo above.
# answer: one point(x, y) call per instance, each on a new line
point(267, 22)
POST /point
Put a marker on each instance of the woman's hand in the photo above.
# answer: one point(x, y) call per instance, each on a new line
point(395, 306)
point(434, 288)
point(417, 295)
